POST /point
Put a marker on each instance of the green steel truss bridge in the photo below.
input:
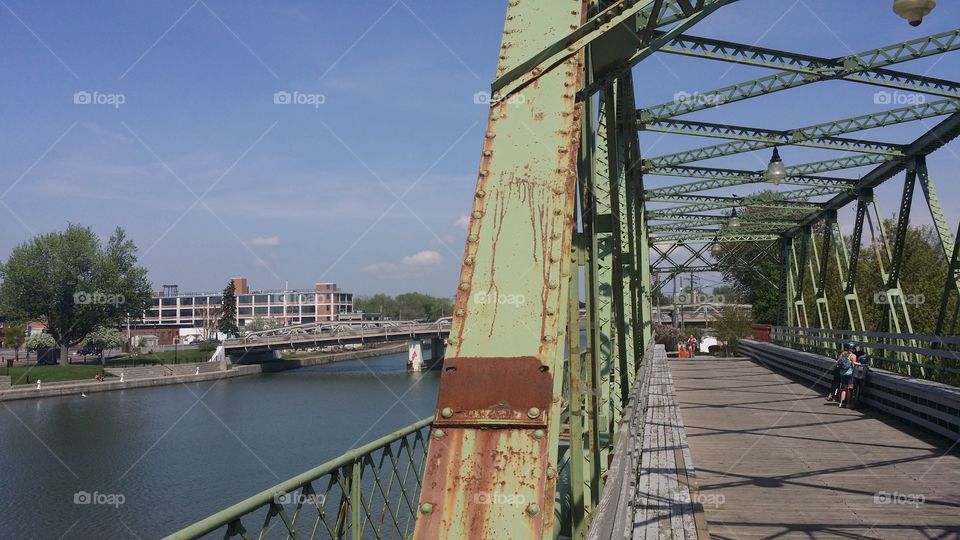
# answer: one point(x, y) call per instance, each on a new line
point(563, 213)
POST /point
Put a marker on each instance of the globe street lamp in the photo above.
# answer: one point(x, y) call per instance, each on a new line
point(776, 172)
point(914, 10)
point(734, 220)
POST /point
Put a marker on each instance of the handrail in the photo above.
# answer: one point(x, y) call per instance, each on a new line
point(358, 457)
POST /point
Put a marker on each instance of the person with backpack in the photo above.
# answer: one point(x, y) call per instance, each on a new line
point(838, 370)
point(845, 364)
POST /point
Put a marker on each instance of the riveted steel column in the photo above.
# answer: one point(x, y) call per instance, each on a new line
point(953, 276)
point(939, 219)
point(786, 282)
point(824, 317)
point(498, 405)
point(621, 387)
point(850, 296)
point(579, 466)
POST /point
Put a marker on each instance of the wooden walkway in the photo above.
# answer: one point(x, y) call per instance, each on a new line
point(774, 460)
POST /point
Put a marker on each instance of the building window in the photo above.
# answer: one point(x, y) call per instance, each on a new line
point(245, 299)
point(186, 313)
point(293, 310)
point(172, 313)
point(186, 301)
point(245, 311)
point(260, 310)
point(168, 301)
point(153, 313)
point(276, 310)
point(261, 298)
point(304, 320)
point(155, 302)
point(308, 309)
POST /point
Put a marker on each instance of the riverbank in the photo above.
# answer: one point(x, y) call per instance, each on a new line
point(200, 372)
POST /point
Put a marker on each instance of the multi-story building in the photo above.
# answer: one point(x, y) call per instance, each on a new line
point(202, 310)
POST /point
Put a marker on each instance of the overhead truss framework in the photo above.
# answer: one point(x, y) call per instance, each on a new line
point(561, 206)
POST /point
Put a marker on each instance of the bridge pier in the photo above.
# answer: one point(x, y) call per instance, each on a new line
point(415, 356)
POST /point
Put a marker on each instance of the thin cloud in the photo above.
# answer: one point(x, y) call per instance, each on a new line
point(265, 241)
point(463, 222)
point(423, 258)
point(379, 268)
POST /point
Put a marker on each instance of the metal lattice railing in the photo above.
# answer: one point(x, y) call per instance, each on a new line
point(935, 358)
point(369, 492)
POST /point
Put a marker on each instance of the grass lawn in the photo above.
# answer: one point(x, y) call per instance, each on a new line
point(46, 374)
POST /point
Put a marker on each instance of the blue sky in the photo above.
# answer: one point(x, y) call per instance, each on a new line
point(211, 178)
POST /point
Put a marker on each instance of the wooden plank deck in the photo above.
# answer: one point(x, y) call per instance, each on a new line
point(774, 460)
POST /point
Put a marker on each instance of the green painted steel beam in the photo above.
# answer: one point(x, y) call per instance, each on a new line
point(932, 140)
point(856, 63)
point(514, 448)
point(752, 55)
point(849, 162)
point(688, 239)
point(722, 178)
point(770, 136)
point(799, 136)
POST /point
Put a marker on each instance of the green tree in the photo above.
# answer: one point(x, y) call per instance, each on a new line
point(102, 338)
point(228, 314)
point(733, 324)
point(72, 283)
point(406, 306)
point(14, 335)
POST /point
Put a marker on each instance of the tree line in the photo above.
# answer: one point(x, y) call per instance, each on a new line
point(406, 306)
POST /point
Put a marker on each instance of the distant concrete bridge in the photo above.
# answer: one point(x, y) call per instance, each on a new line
point(328, 333)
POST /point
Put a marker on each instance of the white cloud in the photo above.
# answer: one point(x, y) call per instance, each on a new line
point(423, 258)
point(265, 241)
point(379, 268)
point(463, 222)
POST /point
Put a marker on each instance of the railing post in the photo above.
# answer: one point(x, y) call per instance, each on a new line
point(356, 502)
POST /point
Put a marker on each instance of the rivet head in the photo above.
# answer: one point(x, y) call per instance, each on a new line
point(551, 472)
point(551, 311)
point(478, 214)
point(538, 434)
point(464, 286)
point(452, 341)
point(548, 339)
point(426, 508)
point(446, 412)
point(438, 434)
point(481, 193)
point(553, 285)
point(533, 509)
point(472, 238)
point(460, 313)
point(533, 412)
point(557, 211)
point(468, 261)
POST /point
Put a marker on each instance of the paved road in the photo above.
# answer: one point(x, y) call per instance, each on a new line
point(774, 460)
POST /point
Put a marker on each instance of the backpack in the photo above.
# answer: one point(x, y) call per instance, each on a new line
point(843, 363)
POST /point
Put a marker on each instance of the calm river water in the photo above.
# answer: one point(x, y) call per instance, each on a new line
point(175, 454)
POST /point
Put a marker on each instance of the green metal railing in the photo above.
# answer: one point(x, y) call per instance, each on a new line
point(369, 492)
point(935, 358)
